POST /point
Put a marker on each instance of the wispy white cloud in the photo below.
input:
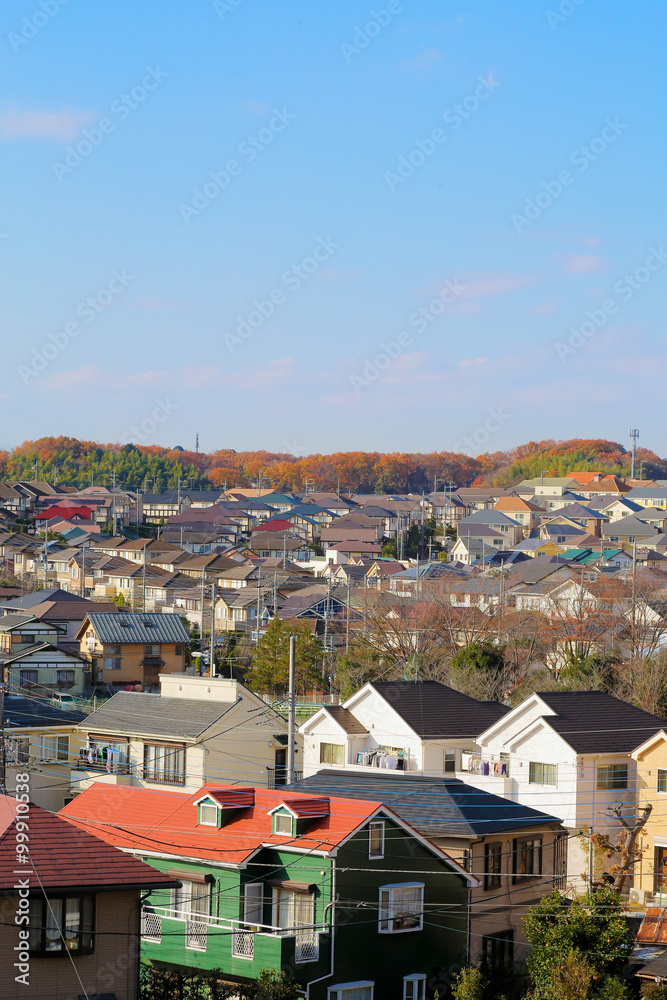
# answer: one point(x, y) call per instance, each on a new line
point(585, 263)
point(61, 125)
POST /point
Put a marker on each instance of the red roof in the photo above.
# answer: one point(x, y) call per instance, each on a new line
point(166, 822)
point(274, 524)
point(64, 510)
point(65, 857)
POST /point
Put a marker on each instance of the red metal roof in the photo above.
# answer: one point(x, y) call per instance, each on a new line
point(653, 929)
point(62, 856)
point(166, 822)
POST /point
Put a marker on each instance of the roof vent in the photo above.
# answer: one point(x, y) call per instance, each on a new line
point(148, 624)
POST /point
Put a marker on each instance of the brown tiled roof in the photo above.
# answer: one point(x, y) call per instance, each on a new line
point(63, 856)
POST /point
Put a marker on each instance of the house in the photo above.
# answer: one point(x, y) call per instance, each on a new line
point(540, 547)
point(518, 854)
point(650, 873)
point(341, 552)
point(402, 726)
point(629, 530)
point(527, 513)
point(271, 880)
point(72, 906)
point(409, 582)
point(61, 609)
point(197, 729)
point(578, 514)
point(471, 551)
point(648, 496)
point(41, 740)
point(494, 519)
point(572, 749)
point(272, 545)
point(132, 648)
point(34, 661)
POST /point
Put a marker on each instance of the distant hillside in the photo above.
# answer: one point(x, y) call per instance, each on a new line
point(77, 463)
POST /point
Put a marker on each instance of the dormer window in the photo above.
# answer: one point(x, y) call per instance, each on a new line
point(209, 813)
point(283, 824)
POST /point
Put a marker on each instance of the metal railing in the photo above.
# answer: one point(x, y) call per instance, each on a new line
point(243, 934)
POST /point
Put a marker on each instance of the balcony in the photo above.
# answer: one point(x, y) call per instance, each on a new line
point(245, 941)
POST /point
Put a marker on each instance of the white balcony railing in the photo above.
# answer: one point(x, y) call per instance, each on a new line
point(307, 939)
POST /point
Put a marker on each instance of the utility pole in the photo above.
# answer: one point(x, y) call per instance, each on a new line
point(3, 688)
point(259, 596)
point(634, 434)
point(212, 667)
point(201, 638)
point(292, 710)
point(83, 571)
point(347, 616)
point(143, 595)
point(46, 558)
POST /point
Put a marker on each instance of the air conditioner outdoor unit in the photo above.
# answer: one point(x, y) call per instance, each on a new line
point(637, 897)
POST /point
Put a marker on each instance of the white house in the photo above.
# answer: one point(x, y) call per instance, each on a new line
point(568, 753)
point(403, 726)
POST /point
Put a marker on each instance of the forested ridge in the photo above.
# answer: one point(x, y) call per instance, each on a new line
point(78, 463)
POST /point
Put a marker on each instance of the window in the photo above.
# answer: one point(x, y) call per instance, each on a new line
point(527, 858)
point(659, 870)
point(28, 677)
point(178, 650)
point(376, 839)
point(613, 776)
point(61, 925)
point(65, 676)
point(164, 762)
point(112, 662)
point(414, 987)
point(209, 814)
point(54, 748)
point(151, 649)
point(450, 761)
point(493, 865)
point(662, 780)
point(542, 774)
point(332, 753)
point(192, 903)
point(498, 949)
point(26, 639)
point(351, 991)
point(253, 903)
point(17, 750)
point(401, 908)
point(283, 824)
point(560, 861)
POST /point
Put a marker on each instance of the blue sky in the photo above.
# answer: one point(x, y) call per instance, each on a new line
point(355, 163)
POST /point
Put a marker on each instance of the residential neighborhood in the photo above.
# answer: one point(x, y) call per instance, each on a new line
point(476, 721)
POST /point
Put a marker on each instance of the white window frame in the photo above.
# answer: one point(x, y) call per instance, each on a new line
point(338, 991)
point(390, 908)
point(210, 805)
point(417, 979)
point(376, 823)
point(283, 815)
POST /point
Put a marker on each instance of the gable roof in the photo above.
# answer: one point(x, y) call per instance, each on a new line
point(435, 711)
point(594, 722)
point(156, 715)
point(433, 806)
point(64, 857)
point(345, 719)
point(166, 822)
point(137, 628)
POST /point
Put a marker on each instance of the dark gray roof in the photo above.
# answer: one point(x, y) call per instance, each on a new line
point(433, 806)
point(40, 596)
point(594, 722)
point(126, 627)
point(435, 711)
point(155, 715)
point(20, 712)
point(345, 719)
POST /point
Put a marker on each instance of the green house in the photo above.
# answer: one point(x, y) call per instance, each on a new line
point(343, 895)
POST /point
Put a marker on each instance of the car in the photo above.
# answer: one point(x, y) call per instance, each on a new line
point(62, 700)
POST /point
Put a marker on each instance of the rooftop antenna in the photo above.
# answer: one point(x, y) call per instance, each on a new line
point(634, 434)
